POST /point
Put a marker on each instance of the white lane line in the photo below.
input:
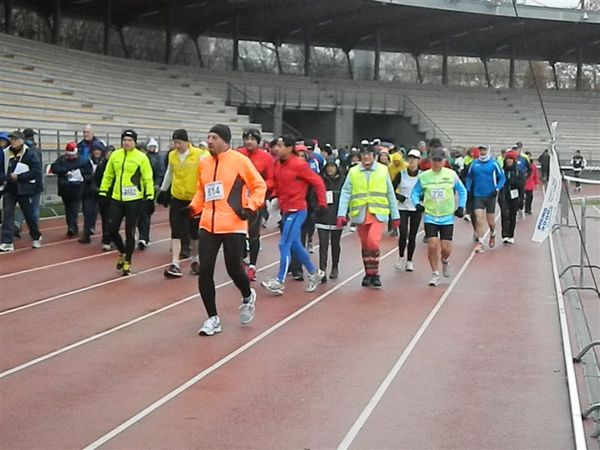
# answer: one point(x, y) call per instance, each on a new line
point(183, 387)
point(386, 383)
point(70, 261)
point(87, 288)
point(118, 327)
point(576, 418)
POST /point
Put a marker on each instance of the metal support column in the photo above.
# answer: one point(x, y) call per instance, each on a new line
point(349, 61)
point(578, 79)
point(487, 72)
point(307, 39)
point(236, 44)
point(377, 54)
point(419, 75)
point(107, 25)
point(123, 45)
point(553, 64)
point(56, 19)
point(168, 32)
point(198, 51)
point(445, 65)
point(8, 15)
point(511, 70)
point(278, 58)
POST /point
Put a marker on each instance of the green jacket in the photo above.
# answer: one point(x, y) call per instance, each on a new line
point(130, 175)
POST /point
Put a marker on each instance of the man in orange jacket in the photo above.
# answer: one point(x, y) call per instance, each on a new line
point(229, 191)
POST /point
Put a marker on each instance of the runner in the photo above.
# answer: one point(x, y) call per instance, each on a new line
point(224, 209)
point(129, 174)
point(368, 197)
point(181, 178)
point(264, 164)
point(293, 177)
point(437, 187)
point(578, 163)
point(510, 196)
point(327, 230)
point(485, 179)
point(410, 218)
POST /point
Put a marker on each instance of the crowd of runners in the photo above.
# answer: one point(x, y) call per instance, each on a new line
point(219, 196)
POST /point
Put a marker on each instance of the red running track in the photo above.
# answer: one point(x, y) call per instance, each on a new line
point(103, 364)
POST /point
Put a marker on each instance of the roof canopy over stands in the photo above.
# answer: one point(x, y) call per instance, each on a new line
point(449, 27)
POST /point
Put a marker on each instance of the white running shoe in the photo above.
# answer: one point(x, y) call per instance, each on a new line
point(505, 240)
point(467, 217)
point(6, 247)
point(106, 247)
point(511, 240)
point(314, 279)
point(435, 279)
point(446, 269)
point(400, 264)
point(409, 266)
point(37, 243)
point(479, 248)
point(273, 285)
point(247, 308)
point(211, 326)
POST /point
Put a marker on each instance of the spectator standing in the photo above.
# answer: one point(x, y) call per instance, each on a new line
point(544, 160)
point(530, 184)
point(89, 142)
point(158, 172)
point(578, 163)
point(23, 174)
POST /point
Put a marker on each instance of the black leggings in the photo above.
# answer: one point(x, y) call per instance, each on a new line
point(508, 213)
point(233, 251)
point(528, 201)
point(254, 224)
point(326, 236)
point(405, 234)
point(131, 212)
point(71, 212)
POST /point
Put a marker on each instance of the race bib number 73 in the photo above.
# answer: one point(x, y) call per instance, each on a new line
point(214, 191)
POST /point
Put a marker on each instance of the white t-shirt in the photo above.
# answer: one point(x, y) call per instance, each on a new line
point(407, 183)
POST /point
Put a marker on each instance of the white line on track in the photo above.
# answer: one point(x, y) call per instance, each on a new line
point(87, 288)
point(386, 383)
point(121, 326)
point(185, 386)
point(70, 261)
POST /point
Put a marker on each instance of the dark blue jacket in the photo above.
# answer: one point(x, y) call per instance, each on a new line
point(86, 148)
point(62, 166)
point(28, 183)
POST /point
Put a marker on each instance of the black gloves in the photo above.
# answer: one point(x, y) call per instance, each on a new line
point(420, 208)
point(245, 213)
point(460, 212)
point(401, 198)
point(149, 205)
point(163, 198)
point(103, 201)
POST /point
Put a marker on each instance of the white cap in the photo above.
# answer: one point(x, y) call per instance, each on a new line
point(414, 152)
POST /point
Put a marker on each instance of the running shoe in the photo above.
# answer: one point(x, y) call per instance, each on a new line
point(334, 273)
point(251, 273)
point(37, 243)
point(314, 279)
point(298, 276)
point(106, 247)
point(521, 214)
point(195, 268)
point(352, 229)
point(173, 271)
point(446, 269)
point(17, 232)
point(247, 308)
point(85, 239)
point(376, 281)
point(6, 247)
point(210, 326)
point(479, 248)
point(310, 248)
point(505, 240)
point(273, 285)
point(126, 269)
point(120, 261)
point(142, 244)
point(511, 240)
point(366, 281)
point(492, 241)
point(71, 233)
point(400, 264)
point(467, 218)
point(409, 266)
point(435, 279)
point(394, 233)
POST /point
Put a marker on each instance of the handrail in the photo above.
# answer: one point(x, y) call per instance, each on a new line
point(247, 98)
point(424, 114)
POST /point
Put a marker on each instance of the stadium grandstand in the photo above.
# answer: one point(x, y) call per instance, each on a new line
point(496, 347)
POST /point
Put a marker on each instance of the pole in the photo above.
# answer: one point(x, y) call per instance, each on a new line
point(582, 245)
point(107, 26)
point(307, 51)
point(8, 23)
point(377, 54)
point(56, 22)
point(168, 32)
point(236, 44)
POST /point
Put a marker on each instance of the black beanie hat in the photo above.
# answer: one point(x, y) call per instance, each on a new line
point(180, 135)
point(129, 133)
point(222, 131)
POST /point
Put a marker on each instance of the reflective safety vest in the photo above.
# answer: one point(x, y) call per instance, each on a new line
point(438, 188)
point(185, 173)
point(374, 195)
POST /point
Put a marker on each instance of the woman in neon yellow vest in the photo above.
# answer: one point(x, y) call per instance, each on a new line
point(368, 198)
point(434, 195)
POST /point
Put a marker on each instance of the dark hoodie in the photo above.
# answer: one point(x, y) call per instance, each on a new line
point(333, 187)
point(515, 179)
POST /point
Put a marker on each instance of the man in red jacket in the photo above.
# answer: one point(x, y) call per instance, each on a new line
point(292, 177)
point(264, 164)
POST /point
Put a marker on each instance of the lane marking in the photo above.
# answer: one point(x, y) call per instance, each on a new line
point(192, 381)
point(93, 286)
point(386, 383)
point(120, 327)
